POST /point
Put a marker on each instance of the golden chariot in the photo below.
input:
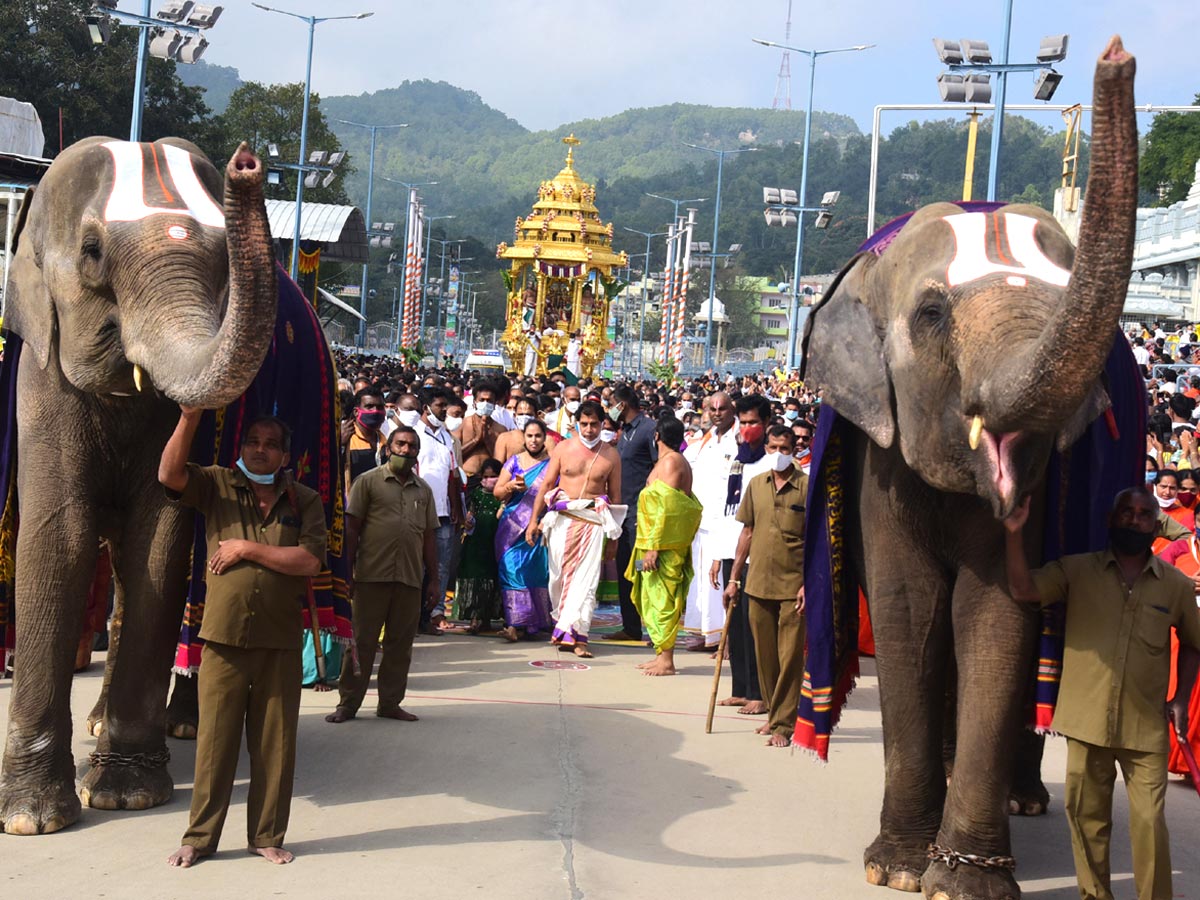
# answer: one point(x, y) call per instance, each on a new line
point(560, 282)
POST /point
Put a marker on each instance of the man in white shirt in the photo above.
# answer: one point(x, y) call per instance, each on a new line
point(1140, 353)
point(563, 420)
point(532, 342)
point(711, 461)
point(574, 354)
point(438, 468)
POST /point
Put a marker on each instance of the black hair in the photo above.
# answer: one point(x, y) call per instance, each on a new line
point(670, 431)
point(538, 423)
point(403, 429)
point(1164, 473)
point(285, 430)
point(754, 403)
point(1180, 405)
point(590, 408)
point(782, 431)
point(623, 393)
point(369, 391)
point(490, 463)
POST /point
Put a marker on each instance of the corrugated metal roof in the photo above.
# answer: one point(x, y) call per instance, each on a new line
point(341, 228)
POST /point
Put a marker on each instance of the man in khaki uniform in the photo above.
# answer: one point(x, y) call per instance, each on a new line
point(1121, 605)
point(391, 527)
point(265, 539)
point(772, 517)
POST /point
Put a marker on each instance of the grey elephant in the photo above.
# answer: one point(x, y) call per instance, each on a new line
point(962, 356)
point(141, 279)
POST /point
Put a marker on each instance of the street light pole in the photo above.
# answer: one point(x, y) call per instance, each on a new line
point(998, 122)
point(313, 22)
point(645, 282)
point(139, 80)
point(812, 78)
point(429, 220)
point(362, 301)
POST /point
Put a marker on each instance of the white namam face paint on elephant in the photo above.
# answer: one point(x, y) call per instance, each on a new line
point(139, 281)
point(982, 353)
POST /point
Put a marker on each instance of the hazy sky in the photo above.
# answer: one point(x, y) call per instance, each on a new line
point(549, 62)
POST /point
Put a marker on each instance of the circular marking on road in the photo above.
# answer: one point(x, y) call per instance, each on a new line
point(558, 664)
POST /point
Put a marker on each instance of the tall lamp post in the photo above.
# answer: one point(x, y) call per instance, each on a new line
point(374, 129)
point(313, 22)
point(801, 207)
point(712, 272)
point(429, 220)
point(648, 235)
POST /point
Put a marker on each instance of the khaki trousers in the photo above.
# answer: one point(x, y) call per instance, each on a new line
point(395, 608)
point(261, 688)
point(779, 651)
point(1089, 790)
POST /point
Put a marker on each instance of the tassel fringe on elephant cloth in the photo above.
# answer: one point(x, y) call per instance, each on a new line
point(297, 382)
point(575, 532)
point(1080, 483)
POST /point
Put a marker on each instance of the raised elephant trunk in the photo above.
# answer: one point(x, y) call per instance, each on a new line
point(214, 371)
point(1072, 352)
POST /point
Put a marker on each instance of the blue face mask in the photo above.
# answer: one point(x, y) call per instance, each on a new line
point(1150, 476)
point(257, 479)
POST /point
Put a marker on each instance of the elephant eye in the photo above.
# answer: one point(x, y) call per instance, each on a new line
point(931, 314)
point(90, 248)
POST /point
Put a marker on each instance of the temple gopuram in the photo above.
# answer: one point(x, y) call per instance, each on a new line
point(560, 281)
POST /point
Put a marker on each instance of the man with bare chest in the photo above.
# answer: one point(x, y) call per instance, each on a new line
point(583, 475)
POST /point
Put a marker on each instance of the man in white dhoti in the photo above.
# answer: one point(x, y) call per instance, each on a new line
point(575, 354)
point(584, 473)
point(712, 460)
point(532, 342)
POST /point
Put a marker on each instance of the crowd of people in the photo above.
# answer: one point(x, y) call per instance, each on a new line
point(475, 500)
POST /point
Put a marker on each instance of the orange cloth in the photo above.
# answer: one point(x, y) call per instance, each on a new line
point(866, 637)
point(1188, 562)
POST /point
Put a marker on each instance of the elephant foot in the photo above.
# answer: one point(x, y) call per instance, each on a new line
point(40, 808)
point(121, 785)
point(1028, 800)
point(897, 866)
point(969, 882)
point(95, 719)
point(183, 712)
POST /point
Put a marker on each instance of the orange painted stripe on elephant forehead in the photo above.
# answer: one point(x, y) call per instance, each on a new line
point(170, 198)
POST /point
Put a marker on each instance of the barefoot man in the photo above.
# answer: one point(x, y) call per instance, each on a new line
point(265, 538)
point(583, 474)
point(660, 571)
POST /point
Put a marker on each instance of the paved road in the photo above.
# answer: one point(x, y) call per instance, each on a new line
point(520, 782)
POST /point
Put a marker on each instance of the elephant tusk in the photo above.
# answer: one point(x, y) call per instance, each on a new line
point(137, 378)
point(976, 431)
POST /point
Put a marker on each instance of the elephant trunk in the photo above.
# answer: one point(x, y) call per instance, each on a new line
point(212, 370)
point(1052, 381)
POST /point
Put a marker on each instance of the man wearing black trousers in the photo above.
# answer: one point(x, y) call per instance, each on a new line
point(638, 452)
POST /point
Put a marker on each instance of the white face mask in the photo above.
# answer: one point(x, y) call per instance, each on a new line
point(685, 404)
point(607, 435)
point(409, 417)
point(572, 406)
point(453, 423)
point(485, 408)
point(593, 443)
point(522, 421)
point(433, 420)
point(779, 461)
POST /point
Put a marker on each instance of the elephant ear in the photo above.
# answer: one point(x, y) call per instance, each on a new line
point(843, 354)
point(29, 309)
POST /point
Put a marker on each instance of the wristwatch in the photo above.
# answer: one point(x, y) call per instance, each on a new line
point(735, 582)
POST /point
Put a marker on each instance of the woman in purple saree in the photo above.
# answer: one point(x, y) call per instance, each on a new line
point(524, 570)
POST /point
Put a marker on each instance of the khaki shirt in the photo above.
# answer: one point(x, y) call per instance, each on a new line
point(776, 568)
point(394, 517)
point(1116, 663)
point(250, 605)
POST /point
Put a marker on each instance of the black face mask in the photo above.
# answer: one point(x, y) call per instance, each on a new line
point(1129, 542)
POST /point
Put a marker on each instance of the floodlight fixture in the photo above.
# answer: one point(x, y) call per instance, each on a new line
point(735, 248)
point(312, 179)
point(1053, 48)
point(165, 44)
point(824, 217)
point(952, 87)
point(317, 157)
point(705, 247)
point(377, 226)
point(273, 150)
point(976, 52)
point(336, 157)
point(174, 10)
point(771, 195)
point(389, 226)
point(1046, 84)
point(99, 28)
point(274, 176)
point(830, 198)
point(328, 179)
point(191, 49)
point(204, 16)
point(948, 51)
point(977, 88)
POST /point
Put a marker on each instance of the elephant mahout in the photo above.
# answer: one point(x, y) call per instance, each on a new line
point(960, 361)
point(141, 279)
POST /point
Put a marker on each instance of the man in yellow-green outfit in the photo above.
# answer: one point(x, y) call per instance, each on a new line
point(660, 569)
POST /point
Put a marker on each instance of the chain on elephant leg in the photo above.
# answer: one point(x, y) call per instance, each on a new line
point(127, 780)
point(953, 875)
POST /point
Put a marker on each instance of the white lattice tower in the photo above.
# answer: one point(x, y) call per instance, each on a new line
point(783, 81)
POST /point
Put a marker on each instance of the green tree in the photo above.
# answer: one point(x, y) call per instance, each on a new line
point(263, 114)
point(48, 59)
point(1170, 151)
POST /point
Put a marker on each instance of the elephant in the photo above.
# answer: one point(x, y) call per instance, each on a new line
point(141, 280)
point(960, 358)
